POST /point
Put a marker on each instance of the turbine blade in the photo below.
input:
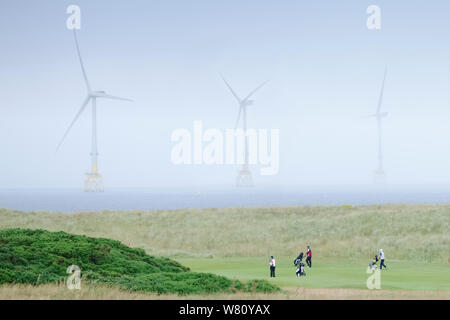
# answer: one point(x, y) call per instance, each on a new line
point(256, 89)
point(81, 61)
point(83, 106)
point(380, 100)
point(231, 89)
point(108, 96)
point(238, 118)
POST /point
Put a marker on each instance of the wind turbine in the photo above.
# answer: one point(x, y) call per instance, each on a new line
point(244, 178)
point(380, 174)
point(93, 181)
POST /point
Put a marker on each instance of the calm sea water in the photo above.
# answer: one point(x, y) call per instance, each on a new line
point(71, 200)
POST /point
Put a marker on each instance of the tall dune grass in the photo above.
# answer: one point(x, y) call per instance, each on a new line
point(405, 232)
point(90, 292)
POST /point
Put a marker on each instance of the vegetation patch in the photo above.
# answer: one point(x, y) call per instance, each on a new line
point(39, 257)
point(406, 232)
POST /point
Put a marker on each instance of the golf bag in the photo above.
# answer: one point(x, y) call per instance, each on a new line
point(300, 266)
point(300, 270)
point(298, 259)
point(373, 263)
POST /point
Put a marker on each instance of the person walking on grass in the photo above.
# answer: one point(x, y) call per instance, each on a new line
point(272, 267)
point(382, 260)
point(308, 256)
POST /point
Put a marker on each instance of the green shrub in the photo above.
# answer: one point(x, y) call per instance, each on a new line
point(39, 256)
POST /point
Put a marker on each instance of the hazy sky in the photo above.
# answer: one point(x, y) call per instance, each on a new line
point(325, 70)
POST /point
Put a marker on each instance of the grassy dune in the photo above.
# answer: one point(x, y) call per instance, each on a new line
point(405, 232)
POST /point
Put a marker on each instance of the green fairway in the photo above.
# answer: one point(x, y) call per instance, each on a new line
point(329, 273)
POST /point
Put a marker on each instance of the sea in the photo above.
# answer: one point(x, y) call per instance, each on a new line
point(76, 200)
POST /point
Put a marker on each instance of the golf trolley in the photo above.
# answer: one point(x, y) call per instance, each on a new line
point(300, 271)
point(373, 266)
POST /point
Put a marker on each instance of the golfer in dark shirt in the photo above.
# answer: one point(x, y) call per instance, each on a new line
point(272, 267)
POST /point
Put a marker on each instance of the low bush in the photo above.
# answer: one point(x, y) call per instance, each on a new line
point(39, 256)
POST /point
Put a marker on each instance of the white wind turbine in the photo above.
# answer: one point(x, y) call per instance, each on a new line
point(94, 181)
point(380, 174)
point(244, 178)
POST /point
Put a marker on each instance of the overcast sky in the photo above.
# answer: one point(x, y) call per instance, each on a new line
point(325, 70)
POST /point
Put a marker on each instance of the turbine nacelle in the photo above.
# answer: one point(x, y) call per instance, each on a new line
point(242, 102)
point(247, 103)
point(96, 93)
point(379, 115)
point(103, 94)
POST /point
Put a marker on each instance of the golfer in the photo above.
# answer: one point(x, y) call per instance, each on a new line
point(382, 260)
point(272, 267)
point(308, 256)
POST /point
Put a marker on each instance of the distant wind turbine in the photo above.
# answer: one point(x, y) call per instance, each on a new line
point(380, 174)
point(244, 178)
point(94, 181)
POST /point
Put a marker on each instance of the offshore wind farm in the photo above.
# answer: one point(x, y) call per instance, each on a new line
point(316, 98)
point(244, 178)
point(379, 173)
point(94, 181)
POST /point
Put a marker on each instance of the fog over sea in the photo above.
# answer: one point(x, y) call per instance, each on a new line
point(75, 200)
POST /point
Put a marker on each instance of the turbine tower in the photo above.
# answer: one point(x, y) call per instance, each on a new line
point(94, 182)
point(244, 178)
point(380, 174)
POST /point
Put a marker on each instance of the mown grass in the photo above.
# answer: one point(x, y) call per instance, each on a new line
point(330, 273)
point(405, 232)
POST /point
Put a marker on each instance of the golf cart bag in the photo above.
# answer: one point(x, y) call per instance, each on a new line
point(300, 270)
point(300, 265)
point(373, 263)
point(298, 259)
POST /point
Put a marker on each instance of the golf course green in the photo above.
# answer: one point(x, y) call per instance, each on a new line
point(327, 273)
